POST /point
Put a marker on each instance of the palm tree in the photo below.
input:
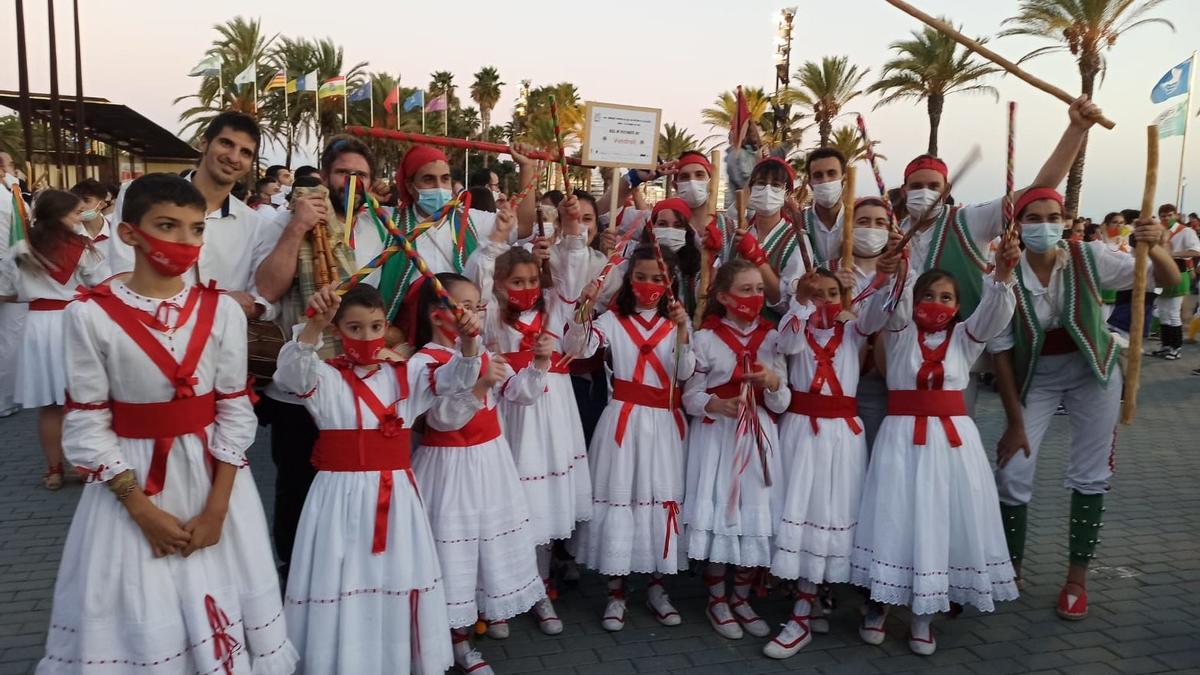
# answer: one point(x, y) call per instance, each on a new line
point(442, 82)
point(485, 91)
point(534, 124)
point(848, 141)
point(931, 66)
point(673, 141)
point(825, 88)
point(240, 42)
point(720, 115)
point(1086, 28)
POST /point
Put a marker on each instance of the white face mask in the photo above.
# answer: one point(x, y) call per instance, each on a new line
point(498, 196)
point(919, 202)
point(694, 192)
point(548, 228)
point(869, 241)
point(11, 180)
point(549, 213)
point(827, 194)
point(671, 238)
point(766, 199)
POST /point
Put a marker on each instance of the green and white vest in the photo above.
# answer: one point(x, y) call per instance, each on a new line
point(399, 273)
point(953, 250)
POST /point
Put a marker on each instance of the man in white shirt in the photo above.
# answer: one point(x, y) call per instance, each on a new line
point(1184, 246)
point(227, 149)
point(12, 314)
point(282, 175)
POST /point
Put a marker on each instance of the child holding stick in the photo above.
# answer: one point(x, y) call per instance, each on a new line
point(364, 592)
point(735, 485)
point(167, 565)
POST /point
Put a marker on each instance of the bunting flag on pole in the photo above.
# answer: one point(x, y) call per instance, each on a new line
point(247, 76)
point(1172, 121)
point(1174, 83)
point(334, 86)
point(436, 104)
point(392, 99)
point(303, 83)
point(277, 82)
point(20, 218)
point(363, 93)
point(414, 101)
point(741, 119)
point(209, 67)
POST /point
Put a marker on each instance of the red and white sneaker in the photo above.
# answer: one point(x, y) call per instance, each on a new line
point(497, 630)
point(1072, 606)
point(614, 613)
point(473, 662)
point(750, 620)
point(721, 618)
point(922, 645)
point(548, 620)
point(660, 605)
point(871, 629)
point(794, 637)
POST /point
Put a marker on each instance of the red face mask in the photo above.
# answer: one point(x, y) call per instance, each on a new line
point(826, 314)
point(646, 293)
point(362, 352)
point(933, 316)
point(746, 307)
point(524, 299)
point(1113, 232)
point(168, 258)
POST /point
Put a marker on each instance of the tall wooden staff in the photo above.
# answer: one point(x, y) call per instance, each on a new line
point(706, 256)
point(1012, 68)
point(1141, 256)
point(1009, 182)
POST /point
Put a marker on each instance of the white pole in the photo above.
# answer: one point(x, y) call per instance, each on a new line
point(466, 166)
point(1187, 123)
point(317, 104)
point(422, 114)
point(371, 103)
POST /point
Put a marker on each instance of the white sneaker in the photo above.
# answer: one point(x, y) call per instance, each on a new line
point(721, 618)
point(750, 620)
point(614, 614)
point(922, 645)
point(871, 629)
point(473, 662)
point(9, 412)
point(497, 630)
point(661, 606)
point(548, 620)
point(794, 637)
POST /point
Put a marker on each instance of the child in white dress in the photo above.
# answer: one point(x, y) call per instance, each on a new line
point(929, 530)
point(364, 593)
point(167, 566)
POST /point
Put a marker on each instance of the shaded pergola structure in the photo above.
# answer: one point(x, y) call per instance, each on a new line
point(116, 142)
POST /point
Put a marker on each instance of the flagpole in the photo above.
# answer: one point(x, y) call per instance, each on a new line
point(287, 115)
point(1187, 123)
point(345, 104)
point(422, 114)
point(317, 103)
point(446, 117)
point(398, 106)
point(371, 105)
point(254, 83)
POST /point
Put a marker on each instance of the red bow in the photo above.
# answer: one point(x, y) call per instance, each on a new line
point(391, 425)
point(90, 475)
point(224, 644)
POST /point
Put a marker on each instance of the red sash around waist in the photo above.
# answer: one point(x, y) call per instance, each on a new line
point(523, 359)
point(47, 305)
point(940, 403)
point(634, 393)
point(368, 450)
point(825, 406)
point(483, 427)
point(164, 421)
point(1058, 341)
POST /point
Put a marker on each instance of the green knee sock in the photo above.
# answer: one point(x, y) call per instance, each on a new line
point(1013, 518)
point(1087, 512)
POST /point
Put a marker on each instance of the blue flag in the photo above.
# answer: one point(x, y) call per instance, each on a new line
point(1174, 83)
point(363, 93)
point(415, 100)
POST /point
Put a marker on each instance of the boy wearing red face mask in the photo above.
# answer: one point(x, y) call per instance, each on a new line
point(364, 562)
point(929, 531)
point(168, 558)
point(735, 484)
point(637, 459)
point(547, 436)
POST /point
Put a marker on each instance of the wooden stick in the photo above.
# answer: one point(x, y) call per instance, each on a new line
point(1137, 316)
point(706, 256)
point(848, 219)
point(1012, 68)
point(1009, 190)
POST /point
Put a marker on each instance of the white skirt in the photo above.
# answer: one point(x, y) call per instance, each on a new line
point(551, 457)
point(117, 606)
point(637, 490)
point(825, 473)
point(480, 524)
point(12, 326)
point(352, 611)
point(731, 519)
point(929, 529)
point(41, 375)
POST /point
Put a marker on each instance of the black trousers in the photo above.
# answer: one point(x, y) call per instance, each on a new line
point(293, 435)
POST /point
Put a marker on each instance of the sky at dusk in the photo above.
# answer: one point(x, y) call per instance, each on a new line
point(676, 56)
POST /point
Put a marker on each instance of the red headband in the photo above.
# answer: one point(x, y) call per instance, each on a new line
point(1037, 194)
point(692, 157)
point(926, 162)
point(791, 173)
point(675, 204)
point(414, 159)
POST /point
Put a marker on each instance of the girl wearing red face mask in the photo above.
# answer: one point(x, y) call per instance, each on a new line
point(364, 562)
point(929, 531)
point(45, 270)
point(546, 437)
point(735, 486)
point(824, 451)
point(636, 456)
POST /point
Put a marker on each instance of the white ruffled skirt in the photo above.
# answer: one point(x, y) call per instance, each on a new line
point(41, 375)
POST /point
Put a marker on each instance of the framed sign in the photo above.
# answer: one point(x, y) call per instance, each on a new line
point(622, 136)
